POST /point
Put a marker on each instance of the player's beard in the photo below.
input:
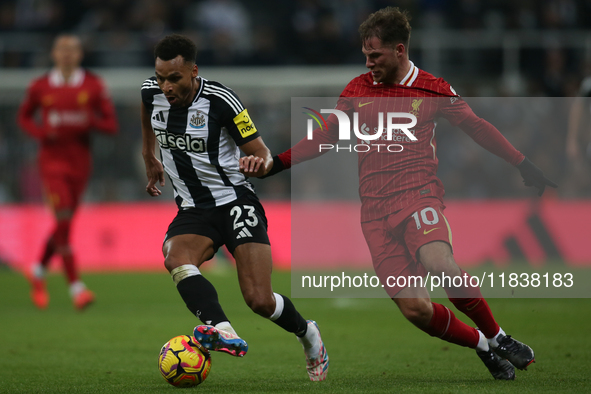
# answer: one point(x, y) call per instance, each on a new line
point(385, 74)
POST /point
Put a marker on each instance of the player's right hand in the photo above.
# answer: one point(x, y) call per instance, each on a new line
point(252, 166)
point(533, 176)
point(155, 174)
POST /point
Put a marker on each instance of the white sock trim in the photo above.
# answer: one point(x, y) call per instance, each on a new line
point(492, 342)
point(184, 271)
point(482, 343)
point(279, 303)
point(38, 271)
point(76, 288)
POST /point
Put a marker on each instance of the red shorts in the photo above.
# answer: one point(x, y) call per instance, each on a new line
point(394, 241)
point(64, 192)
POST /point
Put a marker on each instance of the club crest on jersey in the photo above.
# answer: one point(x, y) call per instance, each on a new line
point(83, 97)
point(197, 120)
point(415, 106)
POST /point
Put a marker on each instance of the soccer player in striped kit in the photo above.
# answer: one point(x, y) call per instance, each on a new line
point(73, 102)
point(200, 127)
point(402, 198)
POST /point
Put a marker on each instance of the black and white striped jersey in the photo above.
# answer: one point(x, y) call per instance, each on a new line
point(199, 143)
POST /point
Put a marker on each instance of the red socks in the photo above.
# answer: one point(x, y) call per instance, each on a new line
point(445, 325)
point(70, 267)
point(48, 252)
point(476, 308)
point(61, 238)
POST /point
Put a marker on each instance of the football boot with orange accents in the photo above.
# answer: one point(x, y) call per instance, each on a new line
point(39, 294)
point(316, 364)
point(83, 299)
point(220, 340)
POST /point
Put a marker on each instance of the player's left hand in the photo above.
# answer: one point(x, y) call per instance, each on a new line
point(252, 166)
point(533, 176)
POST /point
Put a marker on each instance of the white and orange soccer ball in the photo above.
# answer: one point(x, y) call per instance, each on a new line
point(184, 362)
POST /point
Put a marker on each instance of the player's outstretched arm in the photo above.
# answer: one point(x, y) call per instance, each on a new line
point(258, 160)
point(279, 163)
point(487, 136)
point(154, 168)
point(533, 176)
point(26, 114)
point(306, 149)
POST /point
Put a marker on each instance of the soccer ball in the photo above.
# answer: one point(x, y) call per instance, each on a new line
point(184, 362)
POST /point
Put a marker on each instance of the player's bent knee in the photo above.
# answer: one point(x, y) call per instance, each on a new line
point(418, 313)
point(260, 304)
point(171, 262)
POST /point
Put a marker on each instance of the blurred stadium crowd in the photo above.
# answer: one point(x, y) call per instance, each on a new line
point(233, 33)
point(265, 32)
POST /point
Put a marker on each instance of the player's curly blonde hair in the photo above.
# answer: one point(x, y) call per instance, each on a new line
point(390, 25)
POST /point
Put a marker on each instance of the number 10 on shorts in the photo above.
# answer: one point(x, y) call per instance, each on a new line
point(425, 214)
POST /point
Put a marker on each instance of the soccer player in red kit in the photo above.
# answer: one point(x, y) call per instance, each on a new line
point(73, 102)
point(402, 198)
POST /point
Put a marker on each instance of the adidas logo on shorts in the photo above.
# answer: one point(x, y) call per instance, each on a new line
point(244, 233)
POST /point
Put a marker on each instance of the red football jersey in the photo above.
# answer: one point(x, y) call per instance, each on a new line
point(69, 112)
point(392, 178)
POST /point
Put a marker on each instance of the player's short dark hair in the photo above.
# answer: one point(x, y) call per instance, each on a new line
point(173, 45)
point(390, 25)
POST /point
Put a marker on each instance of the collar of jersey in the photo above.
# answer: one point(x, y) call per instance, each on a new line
point(56, 78)
point(201, 83)
point(409, 78)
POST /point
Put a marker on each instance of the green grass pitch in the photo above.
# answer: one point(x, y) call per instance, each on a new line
point(113, 346)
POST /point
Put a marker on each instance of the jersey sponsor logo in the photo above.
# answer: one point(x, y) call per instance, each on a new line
point(67, 118)
point(364, 104)
point(397, 135)
point(425, 232)
point(415, 106)
point(244, 124)
point(197, 120)
point(184, 142)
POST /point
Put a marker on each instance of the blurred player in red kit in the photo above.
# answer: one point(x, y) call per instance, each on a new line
point(402, 198)
point(73, 102)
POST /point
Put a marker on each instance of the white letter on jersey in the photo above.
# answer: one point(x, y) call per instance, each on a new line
point(363, 133)
point(344, 123)
point(404, 126)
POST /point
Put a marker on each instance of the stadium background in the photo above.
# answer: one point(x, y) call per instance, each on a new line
point(269, 52)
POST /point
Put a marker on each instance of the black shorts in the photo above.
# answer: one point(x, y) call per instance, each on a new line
point(239, 222)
